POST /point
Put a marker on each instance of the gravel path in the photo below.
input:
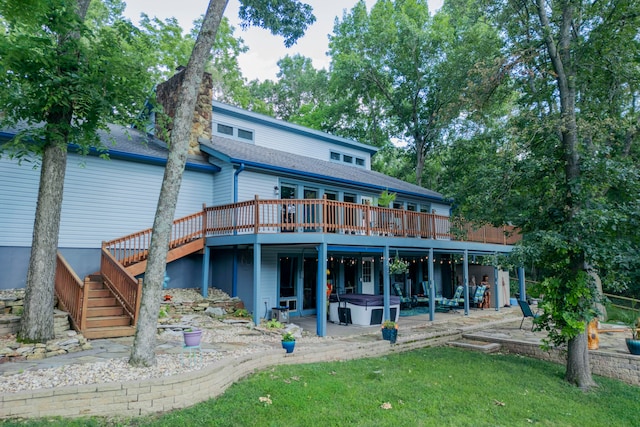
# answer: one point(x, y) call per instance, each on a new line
point(235, 338)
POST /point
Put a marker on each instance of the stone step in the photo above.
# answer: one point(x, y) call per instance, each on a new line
point(482, 346)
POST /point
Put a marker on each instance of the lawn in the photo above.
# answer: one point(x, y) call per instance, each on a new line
point(429, 387)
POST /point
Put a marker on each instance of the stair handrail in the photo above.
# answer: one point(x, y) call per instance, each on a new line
point(134, 247)
point(125, 287)
point(70, 290)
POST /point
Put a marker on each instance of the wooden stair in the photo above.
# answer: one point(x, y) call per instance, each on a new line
point(105, 318)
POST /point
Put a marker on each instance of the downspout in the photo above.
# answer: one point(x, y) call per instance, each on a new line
point(234, 277)
point(235, 182)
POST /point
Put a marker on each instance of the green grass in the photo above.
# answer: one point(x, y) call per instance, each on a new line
point(621, 315)
point(429, 387)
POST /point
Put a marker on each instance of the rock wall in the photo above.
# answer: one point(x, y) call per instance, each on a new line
point(167, 97)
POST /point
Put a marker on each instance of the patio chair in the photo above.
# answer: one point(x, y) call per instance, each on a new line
point(404, 301)
point(478, 296)
point(527, 312)
point(452, 304)
point(424, 297)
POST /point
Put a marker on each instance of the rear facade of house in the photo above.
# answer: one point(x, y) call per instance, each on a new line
point(288, 213)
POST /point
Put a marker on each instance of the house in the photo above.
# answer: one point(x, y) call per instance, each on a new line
point(273, 212)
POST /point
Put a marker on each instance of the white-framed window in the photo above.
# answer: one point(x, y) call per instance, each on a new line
point(245, 134)
point(231, 131)
point(336, 156)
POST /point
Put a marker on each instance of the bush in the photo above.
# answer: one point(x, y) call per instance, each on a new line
point(274, 324)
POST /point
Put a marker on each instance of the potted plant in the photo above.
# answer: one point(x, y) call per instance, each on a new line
point(288, 342)
point(633, 343)
point(390, 331)
point(192, 337)
point(398, 266)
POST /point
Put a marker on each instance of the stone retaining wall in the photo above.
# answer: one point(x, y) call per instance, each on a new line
point(131, 399)
point(624, 367)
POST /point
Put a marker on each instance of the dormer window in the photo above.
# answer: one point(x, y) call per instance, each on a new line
point(245, 134)
point(225, 130)
point(230, 131)
point(336, 156)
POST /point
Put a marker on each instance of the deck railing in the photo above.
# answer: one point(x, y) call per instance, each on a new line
point(71, 292)
point(322, 216)
point(307, 215)
point(134, 248)
point(124, 286)
point(505, 235)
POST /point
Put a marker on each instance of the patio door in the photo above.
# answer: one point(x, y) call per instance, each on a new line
point(311, 211)
point(367, 276)
point(288, 288)
point(309, 281)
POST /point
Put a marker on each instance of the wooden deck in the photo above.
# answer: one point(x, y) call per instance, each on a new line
point(107, 304)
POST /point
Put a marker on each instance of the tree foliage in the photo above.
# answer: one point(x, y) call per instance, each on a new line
point(561, 162)
point(62, 78)
point(171, 48)
point(407, 67)
point(299, 95)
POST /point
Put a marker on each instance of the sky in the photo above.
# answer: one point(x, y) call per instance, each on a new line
point(260, 61)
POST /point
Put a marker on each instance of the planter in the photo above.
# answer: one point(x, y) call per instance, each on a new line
point(390, 335)
point(192, 338)
point(288, 346)
point(633, 346)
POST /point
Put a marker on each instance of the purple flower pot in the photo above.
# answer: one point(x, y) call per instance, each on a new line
point(192, 338)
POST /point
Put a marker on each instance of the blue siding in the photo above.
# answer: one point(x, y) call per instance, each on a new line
point(269, 281)
point(251, 184)
point(103, 200)
point(223, 183)
point(291, 142)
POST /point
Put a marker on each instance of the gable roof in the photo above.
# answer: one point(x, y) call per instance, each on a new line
point(276, 161)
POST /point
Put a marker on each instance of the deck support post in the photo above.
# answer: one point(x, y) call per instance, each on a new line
point(257, 258)
point(465, 277)
point(386, 286)
point(205, 272)
point(432, 287)
point(322, 300)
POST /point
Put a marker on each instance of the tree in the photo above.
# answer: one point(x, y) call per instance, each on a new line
point(562, 163)
point(286, 17)
point(171, 48)
point(63, 78)
point(299, 92)
point(408, 67)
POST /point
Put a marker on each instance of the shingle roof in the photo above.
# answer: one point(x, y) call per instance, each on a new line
point(269, 159)
point(121, 141)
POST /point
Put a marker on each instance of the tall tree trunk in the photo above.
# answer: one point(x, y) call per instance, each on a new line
point(37, 319)
point(143, 349)
point(577, 359)
point(578, 367)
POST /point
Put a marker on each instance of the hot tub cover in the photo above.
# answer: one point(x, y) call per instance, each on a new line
point(364, 299)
